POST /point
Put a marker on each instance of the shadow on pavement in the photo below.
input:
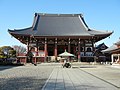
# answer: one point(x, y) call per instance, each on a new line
point(25, 83)
point(8, 66)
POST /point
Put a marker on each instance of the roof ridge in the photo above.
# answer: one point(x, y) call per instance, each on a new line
point(58, 14)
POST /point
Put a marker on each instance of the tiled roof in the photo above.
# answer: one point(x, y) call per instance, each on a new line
point(111, 48)
point(59, 25)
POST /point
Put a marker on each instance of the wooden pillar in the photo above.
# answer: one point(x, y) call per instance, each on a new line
point(28, 48)
point(28, 42)
point(84, 48)
point(55, 51)
point(69, 46)
point(36, 50)
point(69, 50)
point(45, 50)
point(94, 57)
point(79, 50)
point(36, 47)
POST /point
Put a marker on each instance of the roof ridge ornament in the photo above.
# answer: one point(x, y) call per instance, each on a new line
point(81, 15)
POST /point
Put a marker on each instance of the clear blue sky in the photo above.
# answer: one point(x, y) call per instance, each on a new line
point(98, 14)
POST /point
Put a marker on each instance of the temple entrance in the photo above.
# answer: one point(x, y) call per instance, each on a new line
point(50, 50)
point(61, 49)
point(72, 49)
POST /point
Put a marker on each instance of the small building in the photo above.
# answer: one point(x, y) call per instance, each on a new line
point(51, 34)
point(114, 50)
point(100, 56)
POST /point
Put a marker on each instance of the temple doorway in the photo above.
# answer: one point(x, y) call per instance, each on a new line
point(61, 49)
point(50, 50)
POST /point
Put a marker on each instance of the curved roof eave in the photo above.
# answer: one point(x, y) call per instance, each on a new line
point(25, 31)
point(98, 32)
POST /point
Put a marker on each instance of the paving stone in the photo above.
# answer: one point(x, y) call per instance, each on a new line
point(75, 79)
point(24, 77)
point(34, 77)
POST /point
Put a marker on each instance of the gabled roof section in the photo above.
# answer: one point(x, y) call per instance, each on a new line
point(110, 49)
point(101, 46)
point(59, 25)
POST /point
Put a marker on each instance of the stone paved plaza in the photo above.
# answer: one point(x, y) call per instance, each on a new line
point(27, 77)
point(54, 77)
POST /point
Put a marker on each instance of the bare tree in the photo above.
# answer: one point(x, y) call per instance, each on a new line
point(19, 49)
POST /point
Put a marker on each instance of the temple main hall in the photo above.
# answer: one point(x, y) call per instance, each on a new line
point(52, 34)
